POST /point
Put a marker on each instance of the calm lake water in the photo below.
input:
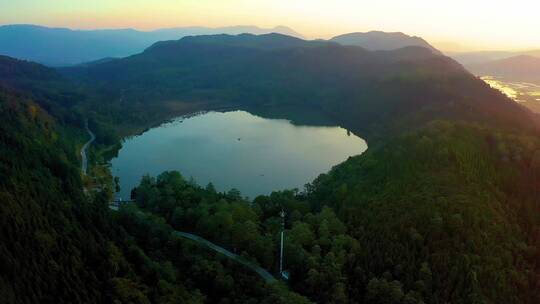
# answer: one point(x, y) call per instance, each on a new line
point(235, 150)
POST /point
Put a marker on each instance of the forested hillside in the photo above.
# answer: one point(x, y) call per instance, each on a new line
point(443, 208)
point(60, 245)
point(363, 90)
point(52, 247)
point(444, 214)
point(450, 211)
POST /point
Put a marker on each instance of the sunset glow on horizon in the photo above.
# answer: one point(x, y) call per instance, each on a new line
point(480, 24)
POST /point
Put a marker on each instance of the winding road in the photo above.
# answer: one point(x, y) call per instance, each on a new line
point(84, 148)
point(267, 276)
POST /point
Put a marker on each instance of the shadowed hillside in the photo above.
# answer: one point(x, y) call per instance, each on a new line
point(61, 244)
point(361, 89)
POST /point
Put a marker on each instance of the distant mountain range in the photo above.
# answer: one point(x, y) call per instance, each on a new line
point(470, 58)
point(518, 68)
point(66, 47)
point(62, 46)
point(377, 40)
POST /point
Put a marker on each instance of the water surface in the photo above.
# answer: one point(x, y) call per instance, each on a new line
point(235, 150)
point(518, 90)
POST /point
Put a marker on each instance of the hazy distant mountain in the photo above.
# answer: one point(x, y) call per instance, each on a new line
point(231, 30)
point(377, 40)
point(469, 58)
point(62, 46)
point(517, 68)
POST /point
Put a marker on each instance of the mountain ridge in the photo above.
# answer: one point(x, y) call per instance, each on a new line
point(379, 40)
point(270, 41)
point(63, 46)
point(329, 77)
point(478, 57)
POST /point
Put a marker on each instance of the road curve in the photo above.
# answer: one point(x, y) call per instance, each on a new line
point(267, 276)
point(84, 166)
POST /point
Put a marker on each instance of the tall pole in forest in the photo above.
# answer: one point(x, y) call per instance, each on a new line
point(282, 239)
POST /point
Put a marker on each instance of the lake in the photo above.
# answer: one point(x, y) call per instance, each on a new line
point(235, 150)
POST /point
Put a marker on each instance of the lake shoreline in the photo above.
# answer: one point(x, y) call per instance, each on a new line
point(235, 149)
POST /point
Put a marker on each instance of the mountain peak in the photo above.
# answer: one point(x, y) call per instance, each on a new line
point(382, 41)
point(287, 31)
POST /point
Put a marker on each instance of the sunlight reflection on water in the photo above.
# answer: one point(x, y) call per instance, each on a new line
point(501, 86)
point(518, 91)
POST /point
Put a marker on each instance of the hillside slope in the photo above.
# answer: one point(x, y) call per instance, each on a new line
point(361, 89)
point(448, 212)
point(60, 244)
point(52, 247)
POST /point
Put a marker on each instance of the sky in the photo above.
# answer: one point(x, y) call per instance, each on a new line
point(455, 24)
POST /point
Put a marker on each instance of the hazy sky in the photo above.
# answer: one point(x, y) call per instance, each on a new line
point(479, 24)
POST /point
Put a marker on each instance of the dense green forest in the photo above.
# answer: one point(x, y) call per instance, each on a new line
point(444, 214)
point(442, 208)
point(51, 245)
point(371, 93)
point(60, 245)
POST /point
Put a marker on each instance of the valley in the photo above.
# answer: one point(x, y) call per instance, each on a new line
point(442, 208)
